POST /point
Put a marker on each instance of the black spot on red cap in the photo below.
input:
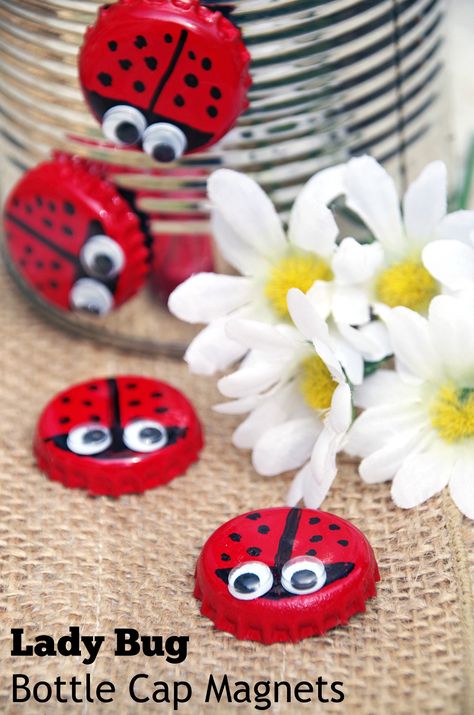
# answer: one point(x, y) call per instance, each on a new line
point(168, 38)
point(334, 527)
point(254, 551)
point(316, 538)
point(225, 557)
point(216, 93)
point(160, 410)
point(263, 529)
point(134, 403)
point(314, 520)
point(212, 111)
point(69, 208)
point(343, 542)
point(191, 80)
point(191, 55)
point(151, 63)
point(157, 394)
point(67, 230)
point(140, 42)
point(255, 515)
point(105, 79)
point(65, 400)
point(125, 64)
point(235, 537)
point(64, 420)
point(311, 552)
point(206, 64)
point(139, 86)
point(113, 46)
point(179, 100)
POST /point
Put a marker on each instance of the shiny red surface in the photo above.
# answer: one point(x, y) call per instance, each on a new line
point(115, 403)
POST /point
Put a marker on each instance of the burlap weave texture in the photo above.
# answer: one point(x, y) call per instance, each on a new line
point(67, 559)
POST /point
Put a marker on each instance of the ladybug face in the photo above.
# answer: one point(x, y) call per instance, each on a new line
point(169, 77)
point(74, 239)
point(282, 574)
point(117, 435)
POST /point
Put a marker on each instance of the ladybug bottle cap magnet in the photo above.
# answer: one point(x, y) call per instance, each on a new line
point(170, 76)
point(74, 239)
point(284, 574)
point(116, 436)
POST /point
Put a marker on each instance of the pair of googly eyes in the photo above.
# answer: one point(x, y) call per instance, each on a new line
point(126, 126)
point(140, 436)
point(102, 258)
point(301, 575)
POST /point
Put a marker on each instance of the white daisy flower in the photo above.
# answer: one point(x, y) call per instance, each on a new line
point(298, 397)
point(451, 259)
point(418, 425)
point(401, 277)
point(250, 236)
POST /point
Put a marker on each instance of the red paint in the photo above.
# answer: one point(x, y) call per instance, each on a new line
point(119, 408)
point(273, 537)
point(52, 213)
point(175, 61)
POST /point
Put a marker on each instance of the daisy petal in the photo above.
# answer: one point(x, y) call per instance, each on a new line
point(323, 467)
point(305, 316)
point(372, 195)
point(450, 262)
point(237, 407)
point(424, 204)
point(378, 426)
point(244, 258)
point(384, 387)
point(340, 414)
point(458, 225)
point(207, 296)
point(350, 305)
point(320, 294)
point(461, 486)
point(312, 226)
point(413, 343)
point(451, 320)
point(247, 208)
point(355, 262)
point(266, 415)
point(295, 492)
point(286, 446)
point(349, 357)
point(384, 463)
point(250, 379)
point(212, 351)
point(326, 185)
point(371, 340)
point(258, 336)
point(420, 477)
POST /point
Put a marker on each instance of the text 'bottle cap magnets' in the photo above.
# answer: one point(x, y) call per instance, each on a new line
point(284, 574)
point(118, 435)
point(169, 76)
point(74, 239)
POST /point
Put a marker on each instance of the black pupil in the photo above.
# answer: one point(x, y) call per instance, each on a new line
point(103, 264)
point(247, 583)
point(150, 435)
point(94, 436)
point(127, 133)
point(304, 579)
point(164, 152)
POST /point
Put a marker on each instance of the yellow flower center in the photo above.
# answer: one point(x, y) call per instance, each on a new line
point(452, 413)
point(316, 383)
point(407, 283)
point(297, 270)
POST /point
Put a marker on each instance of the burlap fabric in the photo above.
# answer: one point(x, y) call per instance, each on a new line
point(67, 559)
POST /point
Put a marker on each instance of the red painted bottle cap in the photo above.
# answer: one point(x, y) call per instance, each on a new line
point(116, 436)
point(74, 239)
point(284, 574)
point(170, 76)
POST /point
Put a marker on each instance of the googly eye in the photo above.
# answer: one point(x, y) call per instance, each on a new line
point(164, 142)
point(123, 125)
point(91, 296)
point(102, 257)
point(89, 439)
point(145, 436)
point(303, 574)
point(250, 580)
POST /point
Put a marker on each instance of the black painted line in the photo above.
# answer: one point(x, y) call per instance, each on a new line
point(285, 545)
point(42, 239)
point(169, 70)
